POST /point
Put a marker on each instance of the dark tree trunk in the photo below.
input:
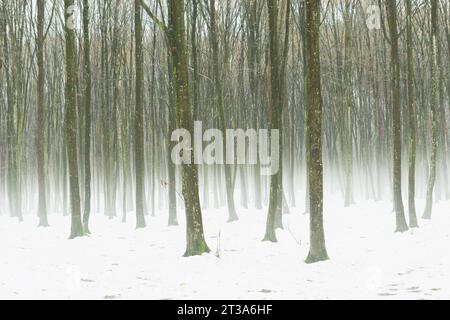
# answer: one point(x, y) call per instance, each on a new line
point(138, 118)
point(412, 121)
point(433, 108)
point(317, 250)
point(87, 117)
point(391, 7)
point(70, 120)
point(196, 244)
point(274, 106)
point(40, 126)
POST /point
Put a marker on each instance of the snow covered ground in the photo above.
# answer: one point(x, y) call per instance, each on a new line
point(368, 260)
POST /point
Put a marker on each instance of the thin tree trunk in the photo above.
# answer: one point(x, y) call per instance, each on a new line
point(433, 108)
point(274, 106)
point(41, 125)
point(87, 117)
point(412, 121)
point(138, 118)
point(218, 78)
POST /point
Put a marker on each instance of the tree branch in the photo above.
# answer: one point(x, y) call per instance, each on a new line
point(153, 17)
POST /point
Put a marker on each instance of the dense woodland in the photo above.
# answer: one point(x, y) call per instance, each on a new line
point(91, 90)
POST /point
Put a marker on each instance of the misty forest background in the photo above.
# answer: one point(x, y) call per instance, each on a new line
point(91, 90)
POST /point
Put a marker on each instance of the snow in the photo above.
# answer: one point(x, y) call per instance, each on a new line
point(368, 260)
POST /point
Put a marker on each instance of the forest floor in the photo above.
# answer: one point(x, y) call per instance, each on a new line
point(368, 260)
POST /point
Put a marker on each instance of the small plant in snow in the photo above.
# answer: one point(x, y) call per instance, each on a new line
point(218, 247)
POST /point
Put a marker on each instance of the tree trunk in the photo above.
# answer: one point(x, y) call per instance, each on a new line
point(40, 126)
point(70, 120)
point(317, 250)
point(433, 108)
point(87, 117)
point(412, 121)
point(391, 7)
point(196, 244)
point(138, 118)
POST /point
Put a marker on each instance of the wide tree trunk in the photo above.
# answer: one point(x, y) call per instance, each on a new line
point(391, 8)
point(70, 119)
point(196, 244)
point(317, 250)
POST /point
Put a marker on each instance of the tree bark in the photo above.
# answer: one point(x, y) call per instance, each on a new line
point(138, 118)
point(317, 250)
point(391, 7)
point(87, 117)
point(412, 121)
point(70, 121)
point(40, 125)
point(433, 108)
point(196, 244)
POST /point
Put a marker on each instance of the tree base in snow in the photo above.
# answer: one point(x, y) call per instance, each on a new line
point(313, 258)
point(197, 249)
point(402, 228)
point(140, 222)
